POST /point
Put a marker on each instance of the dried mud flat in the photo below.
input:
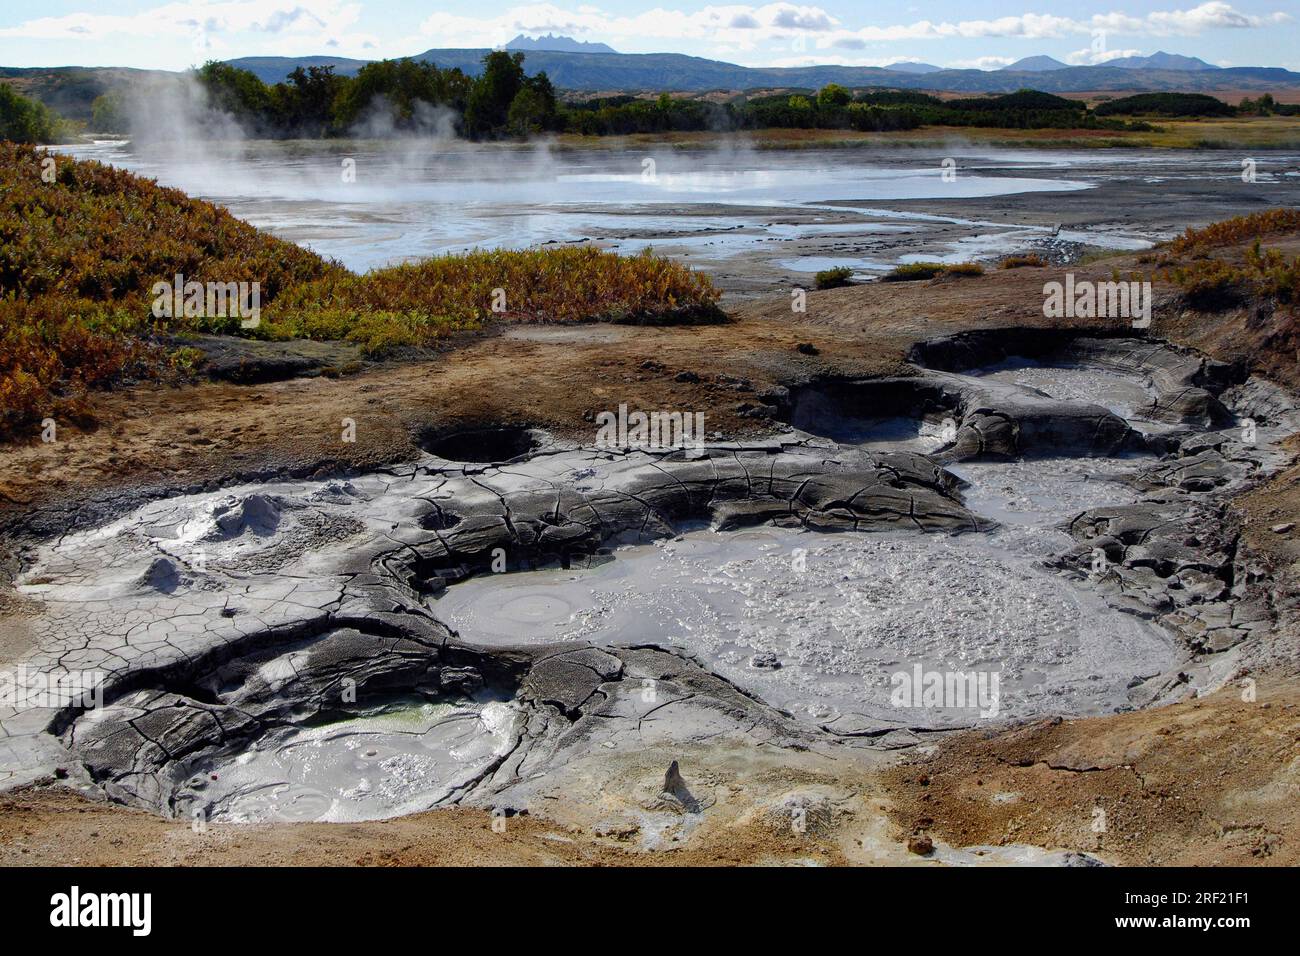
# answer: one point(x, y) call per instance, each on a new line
point(587, 750)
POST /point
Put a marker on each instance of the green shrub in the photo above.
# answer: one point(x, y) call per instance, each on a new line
point(912, 271)
point(833, 278)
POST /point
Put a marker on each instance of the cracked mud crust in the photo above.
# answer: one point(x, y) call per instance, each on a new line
point(315, 573)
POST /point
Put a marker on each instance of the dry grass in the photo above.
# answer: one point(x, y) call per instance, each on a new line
point(1020, 262)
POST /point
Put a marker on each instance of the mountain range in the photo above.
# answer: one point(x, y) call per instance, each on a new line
point(557, 44)
point(595, 68)
point(1156, 61)
point(590, 69)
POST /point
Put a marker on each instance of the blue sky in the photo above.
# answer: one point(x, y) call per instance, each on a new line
point(174, 35)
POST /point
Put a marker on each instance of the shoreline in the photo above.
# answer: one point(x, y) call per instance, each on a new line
point(1274, 133)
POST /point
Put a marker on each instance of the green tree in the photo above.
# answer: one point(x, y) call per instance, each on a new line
point(23, 120)
point(533, 109)
point(489, 101)
point(237, 92)
point(402, 85)
point(307, 99)
point(527, 113)
point(108, 113)
point(833, 95)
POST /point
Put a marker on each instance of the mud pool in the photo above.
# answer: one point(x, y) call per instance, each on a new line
point(818, 626)
point(344, 649)
point(399, 759)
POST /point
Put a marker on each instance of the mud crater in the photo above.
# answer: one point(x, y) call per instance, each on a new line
point(493, 445)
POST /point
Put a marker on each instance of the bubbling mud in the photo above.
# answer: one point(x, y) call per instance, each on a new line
point(820, 626)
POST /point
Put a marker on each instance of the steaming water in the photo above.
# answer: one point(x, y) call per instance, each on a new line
point(771, 213)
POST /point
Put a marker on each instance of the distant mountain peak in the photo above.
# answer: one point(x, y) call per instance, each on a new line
point(1037, 64)
point(557, 44)
point(1160, 60)
point(913, 66)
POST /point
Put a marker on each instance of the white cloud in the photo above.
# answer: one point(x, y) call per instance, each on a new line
point(982, 63)
point(294, 25)
point(744, 26)
point(1090, 57)
point(806, 31)
point(739, 25)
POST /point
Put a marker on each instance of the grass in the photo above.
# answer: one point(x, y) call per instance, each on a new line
point(1264, 274)
point(55, 350)
point(79, 257)
point(106, 235)
point(916, 271)
point(424, 300)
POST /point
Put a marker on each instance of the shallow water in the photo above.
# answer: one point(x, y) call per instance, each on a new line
point(423, 197)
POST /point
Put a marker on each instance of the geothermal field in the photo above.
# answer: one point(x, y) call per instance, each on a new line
point(802, 476)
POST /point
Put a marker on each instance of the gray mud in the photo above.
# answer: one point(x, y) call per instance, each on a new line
point(450, 631)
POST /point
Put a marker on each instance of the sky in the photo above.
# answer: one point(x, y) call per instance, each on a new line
point(177, 35)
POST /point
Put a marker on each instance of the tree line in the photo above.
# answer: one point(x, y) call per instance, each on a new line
point(386, 96)
point(389, 97)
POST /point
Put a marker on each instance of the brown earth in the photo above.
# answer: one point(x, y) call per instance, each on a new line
point(60, 828)
point(1209, 781)
point(57, 826)
point(1212, 781)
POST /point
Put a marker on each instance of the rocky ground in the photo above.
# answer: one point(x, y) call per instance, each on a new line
point(995, 797)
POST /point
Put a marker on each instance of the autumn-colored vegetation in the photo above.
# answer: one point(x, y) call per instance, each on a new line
point(1029, 260)
point(1257, 225)
point(833, 278)
point(417, 303)
point(1263, 275)
point(79, 256)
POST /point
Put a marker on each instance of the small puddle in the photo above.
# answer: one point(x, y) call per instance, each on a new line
point(398, 760)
